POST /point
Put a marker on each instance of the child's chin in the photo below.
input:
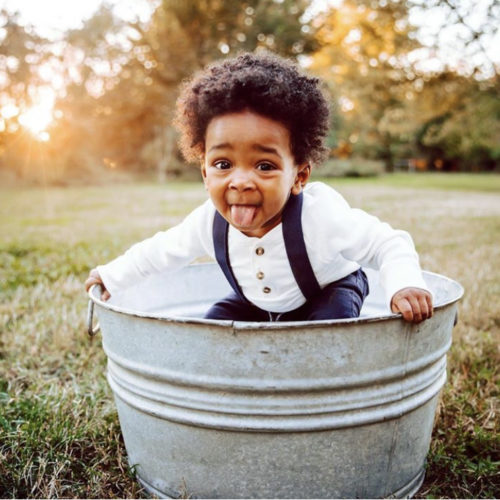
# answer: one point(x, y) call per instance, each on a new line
point(250, 230)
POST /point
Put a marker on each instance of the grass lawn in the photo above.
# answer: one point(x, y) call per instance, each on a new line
point(429, 180)
point(59, 431)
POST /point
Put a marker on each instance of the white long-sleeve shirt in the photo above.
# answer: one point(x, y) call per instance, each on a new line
point(339, 239)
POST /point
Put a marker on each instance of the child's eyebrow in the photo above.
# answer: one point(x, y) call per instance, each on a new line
point(223, 145)
point(257, 147)
point(266, 149)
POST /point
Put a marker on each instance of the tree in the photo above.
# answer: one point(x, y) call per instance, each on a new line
point(21, 52)
point(465, 132)
point(145, 62)
point(363, 56)
point(466, 28)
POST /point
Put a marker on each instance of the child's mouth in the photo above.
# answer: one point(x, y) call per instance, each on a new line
point(243, 215)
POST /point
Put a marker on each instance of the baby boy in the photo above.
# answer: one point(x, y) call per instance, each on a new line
point(291, 250)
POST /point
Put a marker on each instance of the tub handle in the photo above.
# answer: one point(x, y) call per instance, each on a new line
point(91, 329)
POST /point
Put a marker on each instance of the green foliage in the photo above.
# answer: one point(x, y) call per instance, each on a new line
point(469, 131)
point(391, 108)
point(136, 133)
point(24, 46)
point(213, 28)
point(361, 47)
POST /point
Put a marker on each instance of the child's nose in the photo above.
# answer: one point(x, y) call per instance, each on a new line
point(241, 180)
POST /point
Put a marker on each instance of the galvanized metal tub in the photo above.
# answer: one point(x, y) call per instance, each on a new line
point(222, 409)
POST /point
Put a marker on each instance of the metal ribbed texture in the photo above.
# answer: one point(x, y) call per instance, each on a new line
point(246, 410)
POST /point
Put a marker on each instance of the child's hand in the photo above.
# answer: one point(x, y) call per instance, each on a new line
point(414, 304)
point(95, 279)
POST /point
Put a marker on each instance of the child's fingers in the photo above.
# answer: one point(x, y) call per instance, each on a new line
point(430, 306)
point(105, 295)
point(414, 304)
point(403, 306)
point(91, 281)
point(415, 307)
point(425, 309)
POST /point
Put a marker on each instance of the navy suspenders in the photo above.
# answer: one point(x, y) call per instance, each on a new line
point(294, 245)
point(219, 232)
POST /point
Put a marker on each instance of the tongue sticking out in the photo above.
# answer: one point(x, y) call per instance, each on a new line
point(243, 215)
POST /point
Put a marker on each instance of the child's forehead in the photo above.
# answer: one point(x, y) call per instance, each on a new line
point(249, 121)
point(246, 126)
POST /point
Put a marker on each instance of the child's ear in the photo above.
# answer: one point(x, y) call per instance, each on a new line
point(204, 173)
point(301, 178)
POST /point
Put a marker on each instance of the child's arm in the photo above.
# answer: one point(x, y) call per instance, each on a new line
point(364, 239)
point(415, 304)
point(166, 250)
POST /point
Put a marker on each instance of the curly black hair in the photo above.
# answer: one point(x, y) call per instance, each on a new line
point(267, 85)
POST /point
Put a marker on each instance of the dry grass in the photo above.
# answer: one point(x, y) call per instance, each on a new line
point(59, 433)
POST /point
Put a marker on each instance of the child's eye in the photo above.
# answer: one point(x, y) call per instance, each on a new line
point(265, 167)
point(222, 165)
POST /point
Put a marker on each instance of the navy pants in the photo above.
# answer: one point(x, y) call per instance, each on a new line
point(340, 299)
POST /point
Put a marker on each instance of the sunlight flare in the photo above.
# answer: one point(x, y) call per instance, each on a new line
point(37, 119)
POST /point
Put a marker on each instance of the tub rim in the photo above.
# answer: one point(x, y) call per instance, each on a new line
point(267, 325)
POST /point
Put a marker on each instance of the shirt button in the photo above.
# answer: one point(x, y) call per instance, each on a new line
point(266, 289)
point(260, 275)
point(259, 251)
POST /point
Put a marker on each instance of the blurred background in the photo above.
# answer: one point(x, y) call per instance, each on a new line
point(88, 89)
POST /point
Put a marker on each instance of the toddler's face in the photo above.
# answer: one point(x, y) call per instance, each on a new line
point(249, 170)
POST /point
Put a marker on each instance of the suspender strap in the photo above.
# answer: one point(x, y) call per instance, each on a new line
point(296, 247)
point(220, 233)
point(294, 244)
